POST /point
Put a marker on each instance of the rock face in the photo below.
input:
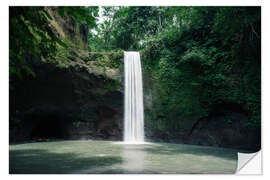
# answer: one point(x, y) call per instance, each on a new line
point(215, 132)
point(67, 103)
point(226, 127)
point(66, 28)
point(73, 96)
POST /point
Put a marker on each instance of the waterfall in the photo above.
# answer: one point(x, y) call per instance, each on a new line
point(133, 116)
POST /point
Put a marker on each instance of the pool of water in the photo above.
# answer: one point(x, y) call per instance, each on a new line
point(107, 157)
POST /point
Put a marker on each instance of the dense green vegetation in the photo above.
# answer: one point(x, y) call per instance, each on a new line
point(198, 58)
point(32, 38)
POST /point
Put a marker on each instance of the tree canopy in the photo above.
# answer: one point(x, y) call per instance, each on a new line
point(198, 57)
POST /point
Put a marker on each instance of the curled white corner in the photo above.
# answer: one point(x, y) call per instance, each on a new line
point(249, 163)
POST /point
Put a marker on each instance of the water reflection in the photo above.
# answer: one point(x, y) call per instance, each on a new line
point(133, 156)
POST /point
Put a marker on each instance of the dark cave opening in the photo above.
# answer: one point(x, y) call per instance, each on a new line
point(48, 126)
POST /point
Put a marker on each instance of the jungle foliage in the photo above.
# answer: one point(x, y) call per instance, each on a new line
point(31, 37)
point(199, 58)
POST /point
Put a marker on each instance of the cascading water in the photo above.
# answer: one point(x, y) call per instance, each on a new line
point(133, 117)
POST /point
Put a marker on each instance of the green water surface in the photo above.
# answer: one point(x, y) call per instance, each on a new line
point(97, 157)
